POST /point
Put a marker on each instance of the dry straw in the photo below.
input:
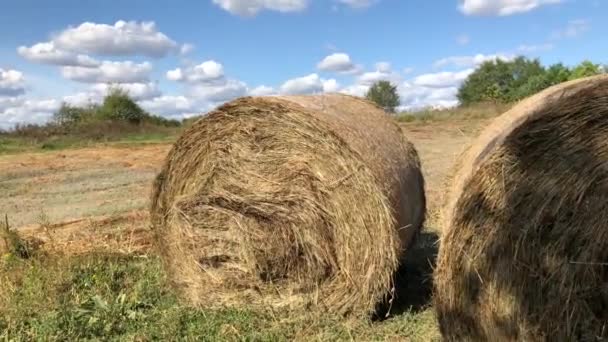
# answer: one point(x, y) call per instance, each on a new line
point(300, 201)
point(524, 247)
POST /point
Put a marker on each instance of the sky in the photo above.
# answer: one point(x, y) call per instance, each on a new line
point(183, 58)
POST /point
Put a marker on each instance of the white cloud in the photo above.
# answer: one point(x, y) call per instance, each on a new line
point(204, 72)
point(83, 98)
point(28, 112)
point(8, 102)
point(218, 92)
point(501, 7)
point(470, 61)
point(252, 7)
point(338, 62)
point(371, 77)
point(574, 29)
point(417, 97)
point(358, 3)
point(138, 91)
point(330, 86)
point(262, 91)
point(168, 105)
point(408, 70)
point(309, 84)
point(11, 82)
point(463, 39)
point(355, 90)
point(109, 72)
point(186, 49)
point(47, 53)
point(124, 38)
point(443, 79)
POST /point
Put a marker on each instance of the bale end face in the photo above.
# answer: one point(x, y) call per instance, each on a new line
point(265, 203)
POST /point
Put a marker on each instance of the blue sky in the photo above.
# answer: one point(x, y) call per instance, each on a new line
point(183, 58)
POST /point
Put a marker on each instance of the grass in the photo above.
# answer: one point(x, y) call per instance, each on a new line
point(10, 144)
point(473, 112)
point(126, 298)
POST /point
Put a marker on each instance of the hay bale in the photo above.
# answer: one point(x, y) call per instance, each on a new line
point(287, 202)
point(524, 247)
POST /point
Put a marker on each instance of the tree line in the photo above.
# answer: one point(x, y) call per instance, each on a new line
point(510, 81)
point(498, 81)
point(116, 106)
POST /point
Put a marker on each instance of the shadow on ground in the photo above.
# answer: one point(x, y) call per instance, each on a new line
point(414, 279)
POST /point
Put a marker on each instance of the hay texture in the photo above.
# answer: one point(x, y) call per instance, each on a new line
point(293, 202)
point(524, 247)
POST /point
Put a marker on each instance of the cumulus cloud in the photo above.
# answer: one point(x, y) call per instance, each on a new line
point(186, 49)
point(124, 38)
point(47, 53)
point(11, 83)
point(338, 62)
point(109, 72)
point(417, 97)
point(204, 72)
point(253, 7)
point(383, 72)
point(169, 105)
point(442, 79)
point(330, 86)
point(27, 111)
point(138, 91)
point(470, 61)
point(355, 90)
point(218, 92)
point(303, 85)
point(262, 91)
point(501, 7)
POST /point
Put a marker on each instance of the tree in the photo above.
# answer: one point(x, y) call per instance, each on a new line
point(490, 82)
point(68, 114)
point(384, 94)
point(118, 105)
point(585, 69)
point(557, 73)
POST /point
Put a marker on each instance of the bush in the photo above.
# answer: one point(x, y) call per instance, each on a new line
point(118, 106)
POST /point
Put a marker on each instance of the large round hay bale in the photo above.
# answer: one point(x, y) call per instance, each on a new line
point(289, 202)
point(524, 250)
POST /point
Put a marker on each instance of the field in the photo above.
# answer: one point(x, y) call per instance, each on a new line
point(94, 273)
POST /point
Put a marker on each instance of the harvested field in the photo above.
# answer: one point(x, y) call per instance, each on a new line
point(126, 231)
point(523, 247)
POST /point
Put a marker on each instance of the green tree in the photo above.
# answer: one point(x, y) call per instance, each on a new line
point(557, 73)
point(527, 77)
point(489, 82)
point(585, 69)
point(384, 94)
point(68, 114)
point(118, 105)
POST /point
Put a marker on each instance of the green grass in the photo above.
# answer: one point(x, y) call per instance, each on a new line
point(126, 298)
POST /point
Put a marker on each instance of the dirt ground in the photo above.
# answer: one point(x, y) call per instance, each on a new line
point(90, 198)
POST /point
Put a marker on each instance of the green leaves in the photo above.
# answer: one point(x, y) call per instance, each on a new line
point(500, 81)
point(384, 94)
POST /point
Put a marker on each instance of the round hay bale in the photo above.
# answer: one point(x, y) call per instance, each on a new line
point(524, 247)
point(294, 201)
